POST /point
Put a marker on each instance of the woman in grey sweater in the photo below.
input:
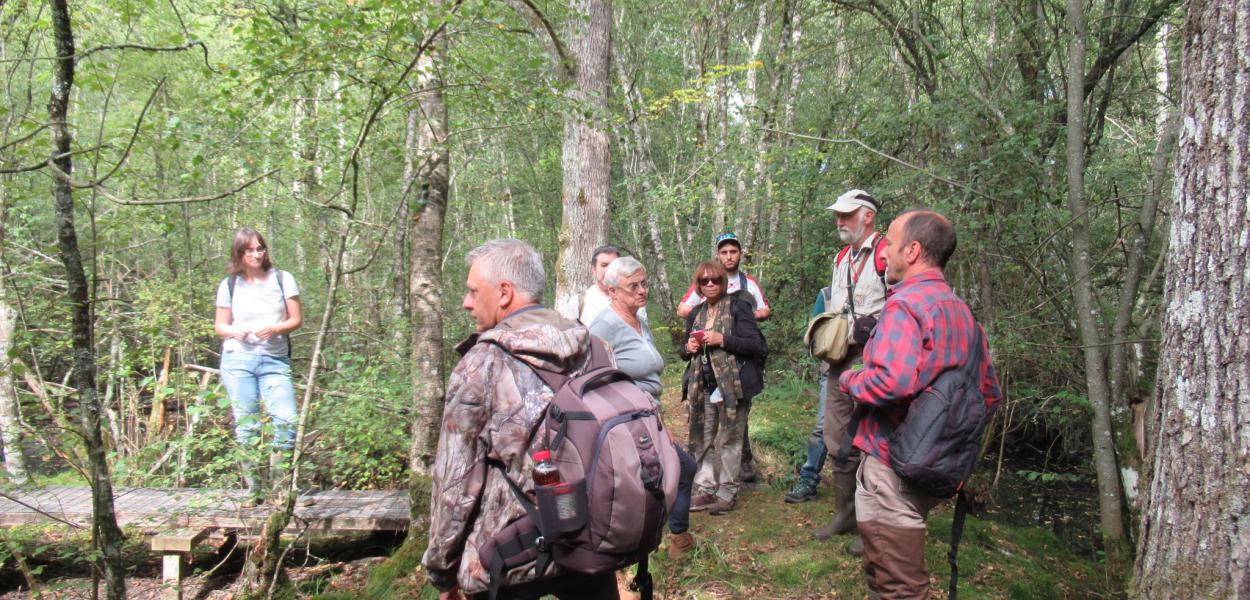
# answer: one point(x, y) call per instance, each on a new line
point(636, 356)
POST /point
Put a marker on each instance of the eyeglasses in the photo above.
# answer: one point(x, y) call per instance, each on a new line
point(634, 288)
point(257, 251)
point(709, 281)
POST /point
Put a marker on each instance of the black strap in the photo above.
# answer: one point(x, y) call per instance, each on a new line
point(850, 288)
point(643, 583)
point(535, 515)
point(957, 532)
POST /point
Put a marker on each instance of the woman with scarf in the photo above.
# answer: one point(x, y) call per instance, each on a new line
point(726, 352)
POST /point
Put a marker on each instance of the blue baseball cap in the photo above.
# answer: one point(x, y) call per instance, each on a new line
point(727, 238)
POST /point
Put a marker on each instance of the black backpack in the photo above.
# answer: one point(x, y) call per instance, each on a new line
point(936, 446)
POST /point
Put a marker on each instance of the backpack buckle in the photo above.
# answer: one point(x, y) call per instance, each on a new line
point(541, 543)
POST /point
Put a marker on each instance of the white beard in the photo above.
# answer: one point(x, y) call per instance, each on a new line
point(850, 235)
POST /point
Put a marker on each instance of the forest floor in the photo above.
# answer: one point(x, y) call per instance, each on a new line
point(762, 550)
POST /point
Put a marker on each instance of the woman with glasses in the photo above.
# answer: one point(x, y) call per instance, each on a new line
point(636, 355)
point(257, 309)
point(726, 353)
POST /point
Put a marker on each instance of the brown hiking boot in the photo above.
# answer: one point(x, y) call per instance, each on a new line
point(679, 544)
point(702, 501)
point(722, 506)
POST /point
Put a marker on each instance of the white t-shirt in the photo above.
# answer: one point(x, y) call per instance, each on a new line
point(692, 299)
point(255, 306)
point(594, 301)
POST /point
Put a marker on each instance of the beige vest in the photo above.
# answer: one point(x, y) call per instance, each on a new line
point(868, 288)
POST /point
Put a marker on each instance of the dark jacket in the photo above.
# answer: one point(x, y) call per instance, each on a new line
point(746, 342)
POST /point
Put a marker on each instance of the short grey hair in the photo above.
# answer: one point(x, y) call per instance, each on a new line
point(513, 261)
point(625, 266)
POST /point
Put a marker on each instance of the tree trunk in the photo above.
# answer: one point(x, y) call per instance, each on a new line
point(720, 195)
point(425, 275)
point(10, 414)
point(107, 535)
point(1195, 525)
point(399, 261)
point(587, 158)
point(1139, 245)
point(1109, 495)
point(643, 171)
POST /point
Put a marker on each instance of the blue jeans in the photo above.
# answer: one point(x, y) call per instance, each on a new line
point(250, 378)
point(816, 450)
point(679, 520)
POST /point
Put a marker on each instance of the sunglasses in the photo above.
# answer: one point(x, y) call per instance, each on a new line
point(709, 281)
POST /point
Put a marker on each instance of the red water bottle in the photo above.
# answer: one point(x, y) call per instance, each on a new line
point(545, 472)
point(547, 475)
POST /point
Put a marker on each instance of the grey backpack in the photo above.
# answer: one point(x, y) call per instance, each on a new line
point(611, 449)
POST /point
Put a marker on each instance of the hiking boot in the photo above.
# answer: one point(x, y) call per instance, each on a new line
point(679, 544)
point(722, 506)
point(804, 489)
point(702, 501)
point(857, 547)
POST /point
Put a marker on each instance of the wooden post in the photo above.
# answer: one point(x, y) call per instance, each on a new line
point(173, 546)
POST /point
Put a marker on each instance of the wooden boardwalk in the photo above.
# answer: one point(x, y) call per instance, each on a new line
point(146, 508)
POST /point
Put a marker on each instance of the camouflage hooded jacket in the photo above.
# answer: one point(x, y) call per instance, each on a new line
point(493, 406)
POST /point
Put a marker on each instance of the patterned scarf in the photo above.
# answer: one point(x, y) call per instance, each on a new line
point(723, 364)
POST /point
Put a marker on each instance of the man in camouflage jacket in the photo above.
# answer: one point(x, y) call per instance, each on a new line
point(494, 404)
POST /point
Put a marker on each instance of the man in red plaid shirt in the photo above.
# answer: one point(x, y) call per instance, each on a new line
point(924, 329)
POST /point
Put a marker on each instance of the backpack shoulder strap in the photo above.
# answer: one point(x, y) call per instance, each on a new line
point(230, 286)
point(281, 289)
point(841, 255)
point(742, 282)
point(878, 257)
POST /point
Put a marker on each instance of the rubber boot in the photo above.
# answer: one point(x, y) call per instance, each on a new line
point(843, 521)
point(857, 547)
point(254, 493)
point(894, 561)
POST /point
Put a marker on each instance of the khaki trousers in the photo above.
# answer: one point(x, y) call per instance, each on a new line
point(720, 458)
point(838, 409)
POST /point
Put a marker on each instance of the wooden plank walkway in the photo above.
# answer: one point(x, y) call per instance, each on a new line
point(146, 508)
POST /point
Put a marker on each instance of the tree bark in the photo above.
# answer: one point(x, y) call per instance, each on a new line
point(587, 158)
point(10, 412)
point(107, 535)
point(425, 251)
point(1109, 491)
point(1195, 525)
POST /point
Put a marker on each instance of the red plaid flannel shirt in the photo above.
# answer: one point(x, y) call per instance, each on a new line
point(924, 330)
